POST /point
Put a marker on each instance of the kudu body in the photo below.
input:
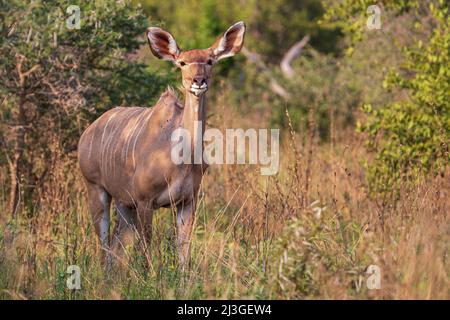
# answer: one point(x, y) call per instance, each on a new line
point(125, 154)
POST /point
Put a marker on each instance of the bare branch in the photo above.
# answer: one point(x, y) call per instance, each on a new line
point(274, 85)
point(290, 55)
point(24, 75)
point(279, 90)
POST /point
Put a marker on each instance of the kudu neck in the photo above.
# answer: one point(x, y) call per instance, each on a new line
point(194, 115)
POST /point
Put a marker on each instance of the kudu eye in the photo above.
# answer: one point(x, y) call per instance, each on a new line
point(210, 62)
point(182, 63)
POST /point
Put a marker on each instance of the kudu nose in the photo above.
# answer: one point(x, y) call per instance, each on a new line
point(199, 81)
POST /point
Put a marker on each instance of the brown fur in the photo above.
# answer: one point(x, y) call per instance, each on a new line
point(126, 153)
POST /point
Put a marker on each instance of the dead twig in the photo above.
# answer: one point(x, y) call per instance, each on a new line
point(290, 55)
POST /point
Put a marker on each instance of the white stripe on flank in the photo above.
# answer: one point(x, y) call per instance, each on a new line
point(126, 120)
point(92, 127)
point(102, 149)
point(90, 145)
point(127, 132)
point(110, 149)
point(131, 134)
point(113, 150)
point(137, 136)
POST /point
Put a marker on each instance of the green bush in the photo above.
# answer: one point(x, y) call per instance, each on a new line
point(409, 135)
point(309, 250)
point(55, 79)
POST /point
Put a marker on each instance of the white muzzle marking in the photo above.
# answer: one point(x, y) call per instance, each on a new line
point(198, 90)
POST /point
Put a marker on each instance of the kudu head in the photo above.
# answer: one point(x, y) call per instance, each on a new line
point(196, 65)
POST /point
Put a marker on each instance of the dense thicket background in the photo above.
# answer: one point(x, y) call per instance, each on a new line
point(365, 119)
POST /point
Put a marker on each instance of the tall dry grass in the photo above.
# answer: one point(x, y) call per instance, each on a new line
point(309, 232)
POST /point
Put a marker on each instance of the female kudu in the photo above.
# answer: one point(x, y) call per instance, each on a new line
point(125, 154)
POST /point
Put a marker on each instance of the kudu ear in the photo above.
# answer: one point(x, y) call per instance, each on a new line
point(230, 42)
point(162, 44)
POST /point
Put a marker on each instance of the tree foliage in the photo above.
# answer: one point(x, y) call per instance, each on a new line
point(410, 136)
point(54, 79)
point(273, 27)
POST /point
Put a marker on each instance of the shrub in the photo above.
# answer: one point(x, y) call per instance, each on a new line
point(410, 137)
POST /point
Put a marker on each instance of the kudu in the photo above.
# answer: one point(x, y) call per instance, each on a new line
point(125, 154)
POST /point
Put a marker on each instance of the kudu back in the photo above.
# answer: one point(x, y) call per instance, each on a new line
point(125, 154)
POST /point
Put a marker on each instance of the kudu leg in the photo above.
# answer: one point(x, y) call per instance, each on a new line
point(144, 226)
point(124, 232)
point(185, 222)
point(99, 205)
